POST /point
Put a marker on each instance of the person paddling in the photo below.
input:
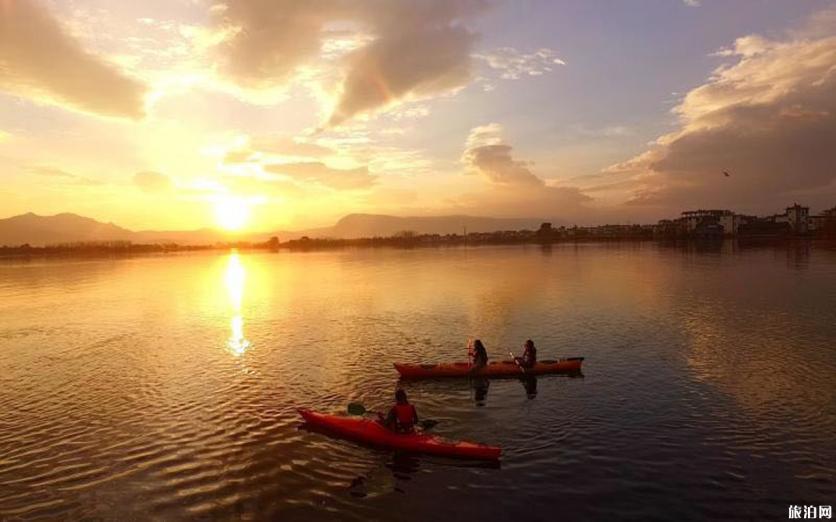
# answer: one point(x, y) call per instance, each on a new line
point(478, 355)
point(529, 356)
point(402, 417)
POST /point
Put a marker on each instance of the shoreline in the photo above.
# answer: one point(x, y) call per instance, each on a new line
point(310, 245)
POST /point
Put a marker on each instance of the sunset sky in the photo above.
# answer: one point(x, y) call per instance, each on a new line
point(277, 114)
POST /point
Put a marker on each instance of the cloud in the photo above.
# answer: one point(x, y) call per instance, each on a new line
point(388, 49)
point(54, 172)
point(513, 189)
point(487, 155)
point(237, 156)
point(418, 63)
point(266, 40)
point(259, 187)
point(152, 182)
point(609, 131)
point(820, 24)
point(514, 64)
point(496, 163)
point(339, 179)
point(286, 146)
point(769, 119)
point(39, 60)
point(565, 204)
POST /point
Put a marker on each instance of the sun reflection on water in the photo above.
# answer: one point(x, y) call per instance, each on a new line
point(235, 277)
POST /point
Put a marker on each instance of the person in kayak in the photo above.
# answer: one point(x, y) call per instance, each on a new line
point(478, 355)
point(402, 417)
point(529, 356)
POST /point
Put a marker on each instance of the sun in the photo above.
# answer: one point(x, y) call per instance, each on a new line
point(232, 213)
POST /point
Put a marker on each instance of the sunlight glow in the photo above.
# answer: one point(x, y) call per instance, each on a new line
point(235, 277)
point(237, 343)
point(232, 213)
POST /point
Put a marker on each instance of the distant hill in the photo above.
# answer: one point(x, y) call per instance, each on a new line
point(69, 228)
point(61, 228)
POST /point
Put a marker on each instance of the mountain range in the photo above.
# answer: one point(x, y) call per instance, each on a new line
point(69, 228)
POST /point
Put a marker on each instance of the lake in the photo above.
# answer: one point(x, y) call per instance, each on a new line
point(166, 387)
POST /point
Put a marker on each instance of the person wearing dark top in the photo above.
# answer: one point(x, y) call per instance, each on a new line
point(402, 417)
point(529, 356)
point(478, 355)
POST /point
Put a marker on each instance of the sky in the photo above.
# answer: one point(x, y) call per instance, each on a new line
point(280, 114)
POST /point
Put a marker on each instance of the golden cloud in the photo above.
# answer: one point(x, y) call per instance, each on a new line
point(150, 181)
point(39, 60)
point(339, 179)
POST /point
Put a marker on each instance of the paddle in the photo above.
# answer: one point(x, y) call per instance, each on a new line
point(356, 408)
point(522, 368)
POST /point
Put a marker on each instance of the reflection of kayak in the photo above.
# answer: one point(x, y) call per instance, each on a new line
point(370, 431)
point(493, 369)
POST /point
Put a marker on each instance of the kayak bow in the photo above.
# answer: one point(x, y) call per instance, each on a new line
point(493, 369)
point(372, 432)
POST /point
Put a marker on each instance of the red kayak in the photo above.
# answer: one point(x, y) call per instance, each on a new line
point(370, 431)
point(493, 369)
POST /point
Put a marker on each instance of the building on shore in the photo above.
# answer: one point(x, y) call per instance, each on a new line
point(764, 228)
point(823, 224)
point(694, 220)
point(703, 224)
point(795, 217)
point(795, 221)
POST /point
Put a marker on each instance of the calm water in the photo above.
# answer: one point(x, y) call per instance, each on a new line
point(165, 388)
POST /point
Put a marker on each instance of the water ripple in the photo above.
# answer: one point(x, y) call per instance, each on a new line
point(707, 391)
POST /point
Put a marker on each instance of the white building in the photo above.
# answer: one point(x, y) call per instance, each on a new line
point(797, 218)
point(693, 218)
point(731, 223)
point(726, 218)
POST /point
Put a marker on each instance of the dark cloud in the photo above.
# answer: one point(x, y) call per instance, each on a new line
point(268, 39)
point(414, 48)
point(421, 62)
point(39, 60)
point(769, 120)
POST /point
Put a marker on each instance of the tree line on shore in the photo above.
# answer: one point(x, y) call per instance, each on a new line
point(546, 234)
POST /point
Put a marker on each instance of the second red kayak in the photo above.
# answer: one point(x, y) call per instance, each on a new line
point(493, 369)
point(370, 431)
